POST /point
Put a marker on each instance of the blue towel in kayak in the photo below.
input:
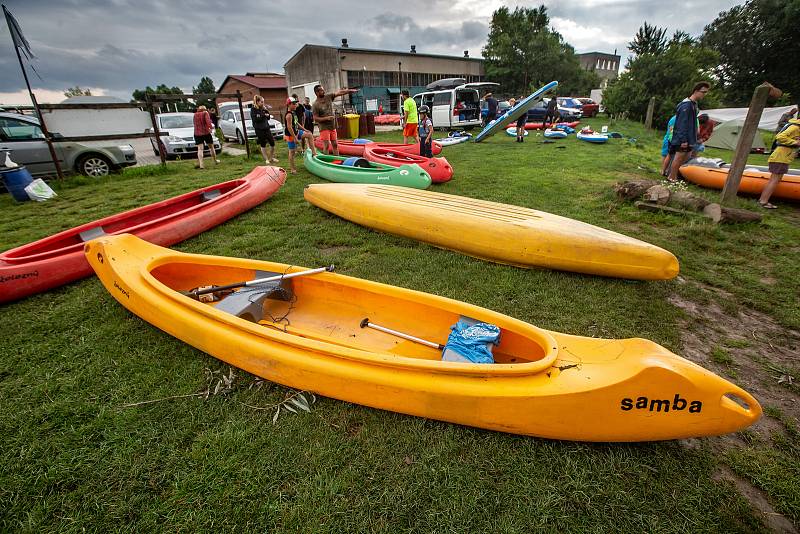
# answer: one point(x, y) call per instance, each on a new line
point(471, 342)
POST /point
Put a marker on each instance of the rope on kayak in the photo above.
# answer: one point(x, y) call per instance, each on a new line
point(283, 294)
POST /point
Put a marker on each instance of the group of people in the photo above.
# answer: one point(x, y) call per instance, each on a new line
point(688, 130)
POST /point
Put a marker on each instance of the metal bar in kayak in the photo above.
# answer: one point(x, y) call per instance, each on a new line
point(365, 323)
point(197, 292)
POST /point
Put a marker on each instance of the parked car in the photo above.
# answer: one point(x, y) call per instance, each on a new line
point(590, 107)
point(177, 136)
point(22, 138)
point(538, 112)
point(459, 107)
point(230, 122)
point(573, 104)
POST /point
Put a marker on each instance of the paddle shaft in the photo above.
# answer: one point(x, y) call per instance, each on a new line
point(249, 283)
point(365, 323)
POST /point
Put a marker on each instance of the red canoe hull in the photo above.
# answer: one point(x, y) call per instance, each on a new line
point(439, 169)
point(348, 148)
point(540, 125)
point(59, 259)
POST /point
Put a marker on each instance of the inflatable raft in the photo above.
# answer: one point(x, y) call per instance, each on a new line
point(500, 233)
point(713, 173)
point(336, 169)
point(513, 132)
point(555, 134)
point(542, 383)
point(58, 259)
point(592, 137)
point(541, 126)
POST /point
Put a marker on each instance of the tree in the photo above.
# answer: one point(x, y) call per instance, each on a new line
point(77, 91)
point(648, 40)
point(206, 86)
point(523, 53)
point(668, 74)
point(757, 42)
point(163, 89)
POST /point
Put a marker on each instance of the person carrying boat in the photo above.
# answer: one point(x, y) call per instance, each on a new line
point(788, 141)
point(259, 116)
point(491, 107)
point(202, 135)
point(410, 118)
point(425, 133)
point(684, 135)
point(322, 111)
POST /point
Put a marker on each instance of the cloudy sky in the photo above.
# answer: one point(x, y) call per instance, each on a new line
point(115, 46)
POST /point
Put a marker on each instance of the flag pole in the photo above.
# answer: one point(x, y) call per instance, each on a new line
point(46, 133)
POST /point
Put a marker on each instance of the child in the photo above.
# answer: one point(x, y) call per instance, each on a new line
point(425, 130)
point(294, 132)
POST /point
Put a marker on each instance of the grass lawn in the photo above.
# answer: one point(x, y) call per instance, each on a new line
point(74, 456)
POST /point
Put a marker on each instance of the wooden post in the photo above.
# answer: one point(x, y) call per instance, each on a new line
point(745, 142)
point(47, 137)
point(156, 131)
point(648, 121)
point(244, 125)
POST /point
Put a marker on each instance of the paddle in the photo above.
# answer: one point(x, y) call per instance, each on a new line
point(365, 323)
point(195, 293)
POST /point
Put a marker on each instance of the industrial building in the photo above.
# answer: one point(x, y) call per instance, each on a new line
point(379, 75)
point(605, 65)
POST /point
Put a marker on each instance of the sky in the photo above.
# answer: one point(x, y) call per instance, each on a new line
point(116, 46)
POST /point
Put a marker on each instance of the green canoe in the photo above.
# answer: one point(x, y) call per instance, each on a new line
point(406, 175)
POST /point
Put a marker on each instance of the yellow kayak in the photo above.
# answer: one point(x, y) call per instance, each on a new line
point(308, 332)
point(495, 232)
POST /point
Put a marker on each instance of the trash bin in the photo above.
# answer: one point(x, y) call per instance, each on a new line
point(341, 127)
point(352, 125)
point(16, 179)
point(362, 126)
point(370, 124)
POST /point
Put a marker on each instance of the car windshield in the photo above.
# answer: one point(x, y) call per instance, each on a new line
point(238, 116)
point(177, 121)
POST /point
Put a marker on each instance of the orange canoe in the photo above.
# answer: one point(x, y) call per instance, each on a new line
point(753, 179)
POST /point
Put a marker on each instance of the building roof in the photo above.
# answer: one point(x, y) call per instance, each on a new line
point(277, 81)
point(377, 51)
point(598, 54)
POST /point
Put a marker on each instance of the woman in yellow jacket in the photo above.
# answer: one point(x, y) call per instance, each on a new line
point(788, 140)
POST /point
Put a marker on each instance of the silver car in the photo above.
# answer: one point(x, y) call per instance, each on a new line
point(230, 122)
point(21, 137)
point(177, 136)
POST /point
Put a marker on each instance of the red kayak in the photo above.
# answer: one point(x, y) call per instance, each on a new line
point(540, 125)
point(438, 168)
point(59, 259)
point(350, 148)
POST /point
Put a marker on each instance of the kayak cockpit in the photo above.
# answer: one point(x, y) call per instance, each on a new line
point(331, 309)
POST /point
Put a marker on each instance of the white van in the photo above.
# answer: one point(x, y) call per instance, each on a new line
point(455, 108)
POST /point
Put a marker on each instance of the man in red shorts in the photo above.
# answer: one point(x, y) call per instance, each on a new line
point(410, 118)
point(322, 110)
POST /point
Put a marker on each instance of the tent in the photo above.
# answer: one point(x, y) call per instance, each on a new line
point(726, 135)
point(769, 118)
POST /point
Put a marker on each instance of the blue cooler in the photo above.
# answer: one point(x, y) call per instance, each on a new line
point(16, 180)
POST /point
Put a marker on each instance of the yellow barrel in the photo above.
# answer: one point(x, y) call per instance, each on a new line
point(352, 124)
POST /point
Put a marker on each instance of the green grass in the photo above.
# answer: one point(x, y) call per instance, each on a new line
point(72, 456)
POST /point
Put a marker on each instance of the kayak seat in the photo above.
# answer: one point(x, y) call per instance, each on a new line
point(248, 302)
point(92, 233)
point(210, 195)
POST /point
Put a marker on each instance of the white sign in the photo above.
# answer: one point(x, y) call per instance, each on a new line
point(372, 104)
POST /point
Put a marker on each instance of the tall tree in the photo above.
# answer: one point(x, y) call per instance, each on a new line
point(522, 53)
point(164, 89)
point(206, 86)
point(757, 42)
point(77, 91)
point(667, 74)
point(648, 40)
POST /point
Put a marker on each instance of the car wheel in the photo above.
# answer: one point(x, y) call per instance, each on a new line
point(94, 165)
point(239, 137)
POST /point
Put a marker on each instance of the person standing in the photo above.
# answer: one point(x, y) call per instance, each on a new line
point(323, 114)
point(202, 135)
point(214, 117)
point(551, 113)
point(425, 133)
point(260, 116)
point(788, 141)
point(521, 122)
point(666, 159)
point(491, 107)
point(294, 132)
point(684, 135)
point(410, 118)
point(307, 123)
